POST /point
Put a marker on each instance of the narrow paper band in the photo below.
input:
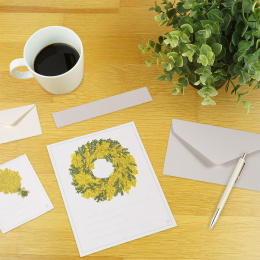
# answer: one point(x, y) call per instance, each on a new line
point(101, 107)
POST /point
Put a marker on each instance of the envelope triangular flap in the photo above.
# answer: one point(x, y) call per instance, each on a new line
point(10, 116)
point(218, 144)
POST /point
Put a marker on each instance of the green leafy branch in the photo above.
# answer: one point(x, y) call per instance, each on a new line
point(211, 41)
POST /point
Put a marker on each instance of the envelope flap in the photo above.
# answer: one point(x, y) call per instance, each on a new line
point(11, 116)
point(218, 144)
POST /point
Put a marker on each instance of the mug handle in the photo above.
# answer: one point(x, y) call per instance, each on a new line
point(19, 74)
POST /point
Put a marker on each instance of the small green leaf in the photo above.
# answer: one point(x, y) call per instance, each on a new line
point(189, 54)
point(208, 101)
point(192, 47)
point(257, 43)
point(206, 33)
point(141, 47)
point(246, 104)
point(157, 47)
point(157, 18)
point(217, 15)
point(205, 49)
point(212, 102)
point(252, 21)
point(184, 37)
point(162, 54)
point(247, 110)
point(187, 27)
point(240, 26)
point(161, 78)
point(175, 33)
point(198, 6)
point(148, 63)
point(172, 56)
point(226, 22)
point(239, 99)
point(164, 64)
point(180, 9)
point(216, 48)
point(245, 76)
point(222, 54)
point(179, 61)
point(187, 5)
point(203, 79)
point(145, 50)
point(163, 22)
point(237, 88)
point(235, 38)
point(217, 18)
point(234, 8)
point(173, 42)
point(203, 60)
point(168, 6)
point(246, 6)
point(151, 43)
point(154, 56)
point(175, 91)
point(257, 86)
point(244, 46)
point(245, 93)
point(184, 82)
point(244, 31)
point(229, 3)
point(167, 41)
point(169, 66)
point(207, 91)
point(226, 88)
point(169, 76)
point(185, 20)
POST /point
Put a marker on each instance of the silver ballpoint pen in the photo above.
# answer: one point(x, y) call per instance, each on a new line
point(234, 177)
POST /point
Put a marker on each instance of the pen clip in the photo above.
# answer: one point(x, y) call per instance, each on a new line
point(240, 172)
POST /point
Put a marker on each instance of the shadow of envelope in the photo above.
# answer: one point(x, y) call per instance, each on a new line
point(18, 123)
point(209, 153)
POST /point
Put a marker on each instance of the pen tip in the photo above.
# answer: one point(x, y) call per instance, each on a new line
point(212, 224)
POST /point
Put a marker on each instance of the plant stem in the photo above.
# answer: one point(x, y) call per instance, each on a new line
point(232, 83)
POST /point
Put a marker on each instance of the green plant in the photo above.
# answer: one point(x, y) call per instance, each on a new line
point(210, 42)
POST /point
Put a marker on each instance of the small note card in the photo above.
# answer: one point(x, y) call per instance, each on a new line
point(22, 197)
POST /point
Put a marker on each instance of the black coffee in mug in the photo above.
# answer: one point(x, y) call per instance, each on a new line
point(55, 59)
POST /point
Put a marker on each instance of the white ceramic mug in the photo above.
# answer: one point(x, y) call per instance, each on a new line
point(60, 84)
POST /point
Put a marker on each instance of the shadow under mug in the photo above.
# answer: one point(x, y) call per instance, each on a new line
point(60, 84)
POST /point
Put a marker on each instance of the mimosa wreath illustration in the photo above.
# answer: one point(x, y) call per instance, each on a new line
point(121, 180)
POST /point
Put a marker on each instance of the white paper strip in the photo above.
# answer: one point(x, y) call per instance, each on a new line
point(101, 107)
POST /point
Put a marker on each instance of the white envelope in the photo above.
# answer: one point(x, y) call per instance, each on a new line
point(18, 123)
point(209, 153)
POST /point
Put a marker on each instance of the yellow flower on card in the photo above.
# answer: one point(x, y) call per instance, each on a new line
point(10, 182)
